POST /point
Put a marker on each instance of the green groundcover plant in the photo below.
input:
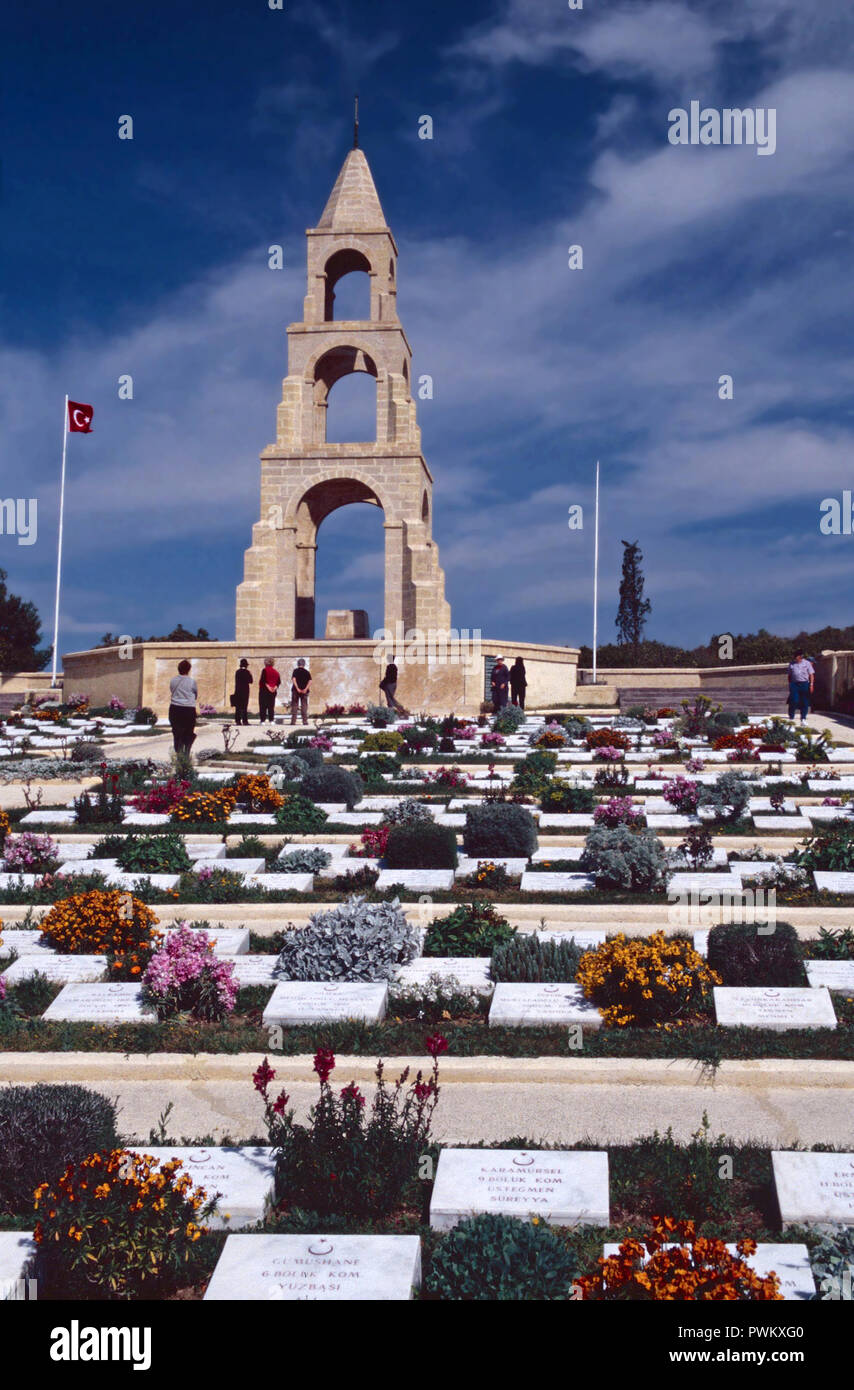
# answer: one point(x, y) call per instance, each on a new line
point(502, 1259)
point(472, 929)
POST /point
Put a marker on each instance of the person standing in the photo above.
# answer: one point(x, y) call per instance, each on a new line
point(183, 694)
point(801, 685)
point(300, 686)
point(518, 682)
point(388, 685)
point(267, 687)
point(499, 684)
point(240, 698)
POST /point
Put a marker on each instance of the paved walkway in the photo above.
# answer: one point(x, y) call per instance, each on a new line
point(560, 1100)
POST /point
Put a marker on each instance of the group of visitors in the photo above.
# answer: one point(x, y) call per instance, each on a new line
point(269, 683)
point(184, 693)
point(508, 682)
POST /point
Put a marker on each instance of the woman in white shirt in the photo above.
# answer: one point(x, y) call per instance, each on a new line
point(183, 694)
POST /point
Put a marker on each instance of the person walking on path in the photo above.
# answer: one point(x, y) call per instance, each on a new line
point(267, 687)
point(183, 694)
point(240, 698)
point(300, 686)
point(388, 685)
point(518, 682)
point(499, 684)
point(801, 685)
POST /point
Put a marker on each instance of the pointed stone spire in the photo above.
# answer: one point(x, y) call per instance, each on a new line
point(353, 205)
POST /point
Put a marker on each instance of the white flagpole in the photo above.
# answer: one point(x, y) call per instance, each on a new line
point(59, 547)
point(596, 574)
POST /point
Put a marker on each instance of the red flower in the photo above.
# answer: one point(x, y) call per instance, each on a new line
point(423, 1089)
point(352, 1092)
point(436, 1044)
point(324, 1062)
point(280, 1102)
point(263, 1076)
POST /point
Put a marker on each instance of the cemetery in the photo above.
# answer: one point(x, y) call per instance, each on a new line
point(444, 1000)
point(349, 892)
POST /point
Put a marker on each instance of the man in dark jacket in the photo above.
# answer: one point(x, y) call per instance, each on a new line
point(500, 683)
point(240, 698)
point(300, 686)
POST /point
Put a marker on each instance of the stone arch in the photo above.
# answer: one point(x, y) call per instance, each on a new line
point(329, 366)
point(305, 515)
point(343, 262)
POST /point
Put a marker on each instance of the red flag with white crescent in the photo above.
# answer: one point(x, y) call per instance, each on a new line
point(79, 418)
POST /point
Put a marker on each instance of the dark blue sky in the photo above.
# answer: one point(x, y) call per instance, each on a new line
point(149, 257)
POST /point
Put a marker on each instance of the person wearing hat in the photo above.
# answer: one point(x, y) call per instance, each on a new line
point(499, 683)
point(300, 686)
point(801, 684)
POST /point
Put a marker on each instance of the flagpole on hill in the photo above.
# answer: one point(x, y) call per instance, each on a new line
point(596, 574)
point(59, 547)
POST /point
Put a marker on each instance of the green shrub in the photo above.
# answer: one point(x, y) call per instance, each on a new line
point(832, 1263)
point(299, 816)
point(744, 954)
point(380, 716)
point(723, 723)
point(293, 766)
point(375, 765)
point(533, 772)
point(42, 1129)
point(474, 929)
point(355, 940)
point(729, 796)
point(831, 849)
point(408, 811)
point(386, 741)
point(575, 726)
point(499, 829)
point(832, 943)
point(103, 807)
point(144, 715)
point(153, 854)
point(423, 845)
point(85, 750)
point(332, 784)
point(527, 959)
point(508, 719)
point(624, 858)
point(418, 739)
point(558, 796)
point(501, 1258)
point(303, 861)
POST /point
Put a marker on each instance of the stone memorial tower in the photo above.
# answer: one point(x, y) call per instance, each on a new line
point(303, 477)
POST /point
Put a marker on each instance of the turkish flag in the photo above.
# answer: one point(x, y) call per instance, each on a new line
point(79, 418)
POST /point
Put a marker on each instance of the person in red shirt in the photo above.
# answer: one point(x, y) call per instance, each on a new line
point(267, 688)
